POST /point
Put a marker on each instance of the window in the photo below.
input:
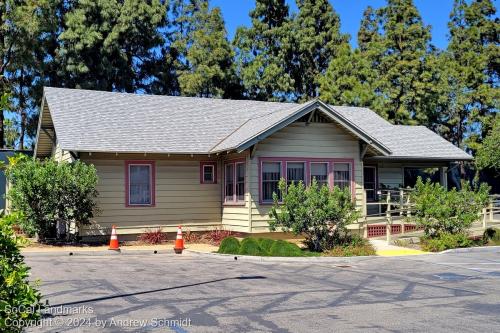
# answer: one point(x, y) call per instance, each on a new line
point(411, 175)
point(229, 182)
point(293, 169)
point(234, 182)
point(295, 172)
point(208, 172)
point(240, 181)
point(271, 174)
point(140, 183)
point(370, 182)
point(319, 171)
point(342, 175)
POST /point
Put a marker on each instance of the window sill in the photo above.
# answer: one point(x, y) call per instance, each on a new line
point(139, 206)
point(234, 203)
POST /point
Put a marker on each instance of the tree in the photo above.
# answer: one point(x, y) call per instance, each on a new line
point(19, 25)
point(470, 71)
point(318, 213)
point(350, 80)
point(209, 56)
point(405, 43)
point(52, 195)
point(488, 154)
point(316, 40)
point(109, 44)
point(261, 53)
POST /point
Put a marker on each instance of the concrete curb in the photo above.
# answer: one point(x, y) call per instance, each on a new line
point(231, 257)
point(473, 249)
point(97, 252)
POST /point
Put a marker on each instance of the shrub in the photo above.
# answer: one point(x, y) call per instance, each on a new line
point(48, 193)
point(191, 237)
point(445, 241)
point(216, 235)
point(281, 248)
point(491, 236)
point(250, 246)
point(440, 211)
point(320, 214)
point(229, 245)
point(352, 250)
point(19, 300)
point(266, 243)
point(153, 236)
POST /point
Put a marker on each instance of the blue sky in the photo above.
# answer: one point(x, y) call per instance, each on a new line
point(434, 13)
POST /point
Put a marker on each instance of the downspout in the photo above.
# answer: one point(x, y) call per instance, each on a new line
point(247, 170)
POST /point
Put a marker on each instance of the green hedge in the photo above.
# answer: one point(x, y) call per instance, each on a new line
point(251, 247)
point(280, 248)
point(229, 245)
point(260, 247)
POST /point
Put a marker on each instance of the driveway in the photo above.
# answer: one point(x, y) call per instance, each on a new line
point(455, 292)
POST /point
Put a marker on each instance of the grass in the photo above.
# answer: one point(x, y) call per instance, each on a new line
point(352, 250)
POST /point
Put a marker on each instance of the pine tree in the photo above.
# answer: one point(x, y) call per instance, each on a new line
point(209, 56)
point(316, 40)
point(261, 53)
point(350, 80)
point(471, 72)
point(405, 44)
point(108, 43)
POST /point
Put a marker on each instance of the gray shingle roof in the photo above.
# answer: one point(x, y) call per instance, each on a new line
point(98, 121)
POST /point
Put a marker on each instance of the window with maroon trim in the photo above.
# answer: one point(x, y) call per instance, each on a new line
point(329, 172)
point(140, 185)
point(342, 175)
point(319, 171)
point(208, 172)
point(234, 182)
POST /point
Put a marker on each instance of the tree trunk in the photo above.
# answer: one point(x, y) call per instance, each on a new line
point(2, 134)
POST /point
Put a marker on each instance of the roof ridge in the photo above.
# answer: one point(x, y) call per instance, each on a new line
point(246, 121)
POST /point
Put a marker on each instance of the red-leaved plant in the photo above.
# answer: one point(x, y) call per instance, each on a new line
point(153, 236)
point(216, 235)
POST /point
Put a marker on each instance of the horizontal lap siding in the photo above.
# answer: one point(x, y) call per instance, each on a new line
point(316, 140)
point(180, 198)
point(390, 175)
point(237, 217)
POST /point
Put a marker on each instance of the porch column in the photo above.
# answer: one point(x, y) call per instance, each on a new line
point(443, 176)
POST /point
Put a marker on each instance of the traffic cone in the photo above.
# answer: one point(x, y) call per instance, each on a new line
point(113, 242)
point(179, 242)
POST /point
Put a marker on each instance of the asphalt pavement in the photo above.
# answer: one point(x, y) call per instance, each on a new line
point(452, 292)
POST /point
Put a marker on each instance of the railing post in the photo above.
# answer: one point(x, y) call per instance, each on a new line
point(491, 210)
point(365, 229)
point(408, 212)
point(389, 224)
point(484, 218)
point(401, 201)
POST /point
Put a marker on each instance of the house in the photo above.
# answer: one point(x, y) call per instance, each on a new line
point(200, 162)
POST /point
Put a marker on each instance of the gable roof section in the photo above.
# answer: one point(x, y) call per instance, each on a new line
point(97, 121)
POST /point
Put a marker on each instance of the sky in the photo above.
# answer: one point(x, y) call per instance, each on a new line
point(434, 13)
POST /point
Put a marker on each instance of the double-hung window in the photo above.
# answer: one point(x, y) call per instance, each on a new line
point(295, 172)
point(140, 189)
point(319, 171)
point(271, 175)
point(234, 181)
point(342, 175)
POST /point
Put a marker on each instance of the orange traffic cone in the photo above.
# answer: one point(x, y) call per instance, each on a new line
point(179, 242)
point(113, 243)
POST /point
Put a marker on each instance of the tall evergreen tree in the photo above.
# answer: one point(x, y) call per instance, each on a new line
point(405, 44)
point(470, 69)
point(108, 44)
point(316, 41)
point(261, 56)
point(350, 80)
point(208, 55)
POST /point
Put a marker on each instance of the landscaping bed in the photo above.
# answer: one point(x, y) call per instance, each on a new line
point(266, 247)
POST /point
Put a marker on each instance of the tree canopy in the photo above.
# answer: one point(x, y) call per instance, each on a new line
point(181, 47)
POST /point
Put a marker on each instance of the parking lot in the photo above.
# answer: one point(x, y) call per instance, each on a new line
point(455, 292)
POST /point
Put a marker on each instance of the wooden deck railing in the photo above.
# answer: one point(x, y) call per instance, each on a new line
point(400, 210)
